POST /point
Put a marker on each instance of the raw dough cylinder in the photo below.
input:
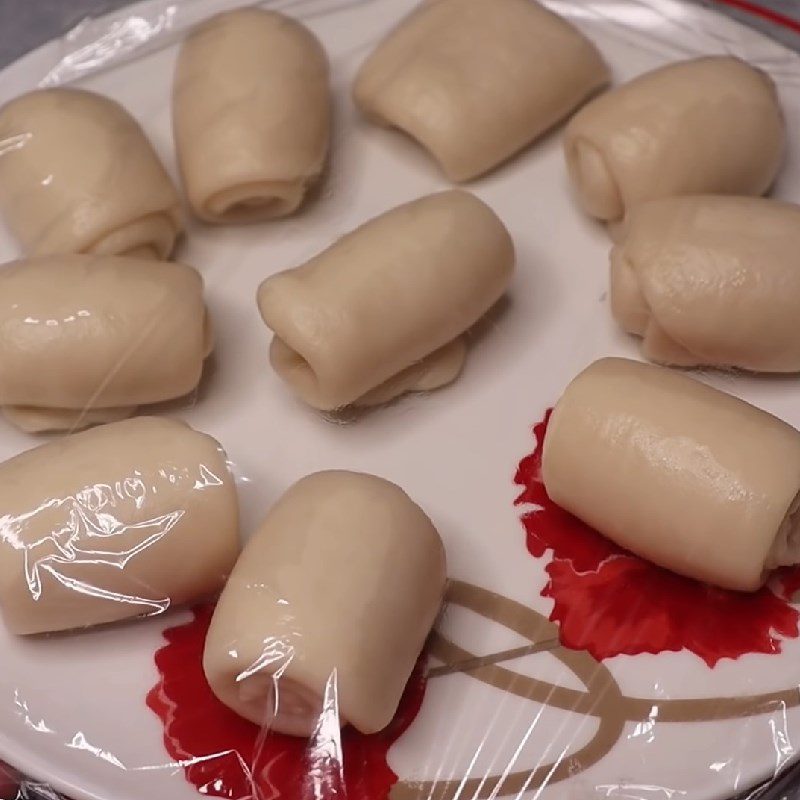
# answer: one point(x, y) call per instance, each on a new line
point(125, 520)
point(679, 473)
point(475, 81)
point(84, 339)
point(706, 126)
point(251, 115)
point(382, 311)
point(342, 583)
point(711, 281)
point(78, 175)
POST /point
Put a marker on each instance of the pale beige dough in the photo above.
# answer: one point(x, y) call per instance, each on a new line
point(78, 175)
point(125, 520)
point(382, 311)
point(711, 280)
point(679, 473)
point(333, 596)
point(710, 125)
point(251, 115)
point(86, 339)
point(475, 81)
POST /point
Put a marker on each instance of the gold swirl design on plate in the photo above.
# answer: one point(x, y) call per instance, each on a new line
point(601, 698)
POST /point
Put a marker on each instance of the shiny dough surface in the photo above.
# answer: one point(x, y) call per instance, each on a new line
point(99, 332)
point(677, 472)
point(78, 175)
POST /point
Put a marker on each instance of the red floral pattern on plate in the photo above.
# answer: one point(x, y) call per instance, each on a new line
point(610, 602)
point(224, 755)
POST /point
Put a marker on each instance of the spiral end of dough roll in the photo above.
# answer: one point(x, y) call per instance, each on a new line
point(634, 315)
point(151, 237)
point(273, 702)
point(596, 188)
point(252, 202)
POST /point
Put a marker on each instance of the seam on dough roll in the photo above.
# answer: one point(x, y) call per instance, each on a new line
point(598, 191)
point(785, 551)
point(152, 236)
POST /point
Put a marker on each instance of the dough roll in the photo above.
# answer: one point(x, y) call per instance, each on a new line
point(382, 311)
point(474, 81)
point(711, 281)
point(251, 115)
point(78, 175)
point(706, 126)
point(125, 520)
point(335, 592)
point(684, 475)
point(86, 339)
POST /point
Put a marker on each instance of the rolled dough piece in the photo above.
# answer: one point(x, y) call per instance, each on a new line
point(251, 115)
point(712, 280)
point(378, 305)
point(681, 474)
point(474, 81)
point(86, 339)
point(334, 594)
point(709, 125)
point(78, 175)
point(120, 521)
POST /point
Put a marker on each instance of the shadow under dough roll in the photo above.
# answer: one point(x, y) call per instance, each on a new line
point(383, 310)
point(681, 474)
point(474, 81)
point(711, 281)
point(78, 175)
point(125, 520)
point(87, 339)
point(710, 125)
point(251, 115)
point(333, 597)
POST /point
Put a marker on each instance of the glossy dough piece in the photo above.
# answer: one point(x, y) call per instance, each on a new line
point(333, 597)
point(382, 311)
point(475, 81)
point(125, 520)
point(251, 115)
point(78, 175)
point(711, 281)
point(679, 473)
point(86, 339)
point(705, 126)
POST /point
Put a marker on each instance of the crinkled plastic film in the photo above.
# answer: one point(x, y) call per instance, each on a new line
point(88, 543)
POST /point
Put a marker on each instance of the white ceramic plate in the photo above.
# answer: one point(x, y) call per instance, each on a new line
point(72, 708)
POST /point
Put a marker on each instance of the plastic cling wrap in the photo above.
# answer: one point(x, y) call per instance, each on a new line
point(221, 592)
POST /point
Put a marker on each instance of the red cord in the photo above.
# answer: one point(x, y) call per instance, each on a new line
point(764, 13)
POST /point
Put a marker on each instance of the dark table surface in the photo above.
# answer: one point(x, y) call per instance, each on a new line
point(25, 24)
